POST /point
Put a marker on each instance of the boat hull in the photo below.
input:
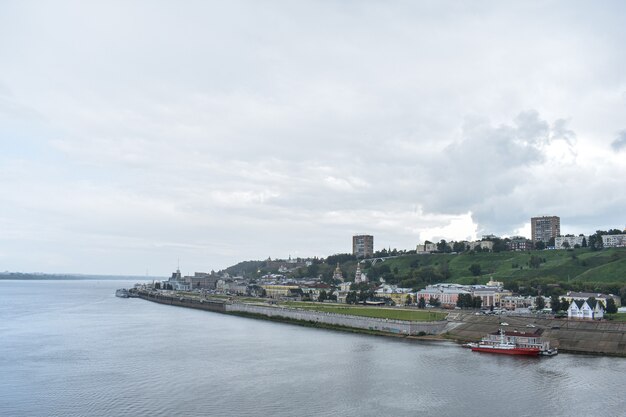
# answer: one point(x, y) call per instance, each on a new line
point(122, 293)
point(507, 351)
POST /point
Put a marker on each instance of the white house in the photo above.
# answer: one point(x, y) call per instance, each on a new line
point(585, 309)
point(614, 241)
point(571, 241)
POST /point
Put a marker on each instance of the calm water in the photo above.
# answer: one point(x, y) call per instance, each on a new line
point(71, 348)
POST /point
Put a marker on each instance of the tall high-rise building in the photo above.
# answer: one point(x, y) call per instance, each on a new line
point(363, 246)
point(545, 227)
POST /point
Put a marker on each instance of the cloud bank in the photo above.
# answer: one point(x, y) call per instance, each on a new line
point(136, 134)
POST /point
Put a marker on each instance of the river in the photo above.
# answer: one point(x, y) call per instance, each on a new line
point(71, 348)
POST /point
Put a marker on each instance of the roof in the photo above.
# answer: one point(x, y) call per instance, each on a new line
point(592, 303)
point(535, 333)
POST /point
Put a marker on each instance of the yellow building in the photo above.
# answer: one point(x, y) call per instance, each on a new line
point(278, 291)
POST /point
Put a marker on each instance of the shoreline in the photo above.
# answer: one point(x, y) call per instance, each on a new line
point(466, 329)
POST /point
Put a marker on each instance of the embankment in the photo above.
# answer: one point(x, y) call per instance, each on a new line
point(574, 336)
point(341, 321)
point(396, 327)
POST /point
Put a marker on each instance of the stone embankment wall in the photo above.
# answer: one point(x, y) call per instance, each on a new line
point(209, 305)
point(399, 327)
point(576, 336)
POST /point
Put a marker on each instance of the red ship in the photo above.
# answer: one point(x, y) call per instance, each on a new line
point(514, 343)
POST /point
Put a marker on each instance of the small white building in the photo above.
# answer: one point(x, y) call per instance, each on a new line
point(586, 310)
point(572, 241)
point(613, 241)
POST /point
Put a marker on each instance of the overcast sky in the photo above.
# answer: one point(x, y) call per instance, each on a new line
point(137, 133)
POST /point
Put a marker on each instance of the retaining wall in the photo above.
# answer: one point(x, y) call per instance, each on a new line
point(209, 305)
point(400, 327)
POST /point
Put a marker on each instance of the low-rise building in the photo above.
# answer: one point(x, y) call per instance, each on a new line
point(483, 244)
point(603, 298)
point(490, 295)
point(279, 291)
point(516, 302)
point(586, 310)
point(313, 291)
point(427, 247)
point(519, 243)
point(202, 280)
point(569, 241)
point(400, 296)
point(447, 294)
point(614, 241)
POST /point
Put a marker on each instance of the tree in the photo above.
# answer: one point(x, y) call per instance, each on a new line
point(458, 247)
point(421, 303)
point(313, 270)
point(444, 270)
point(475, 269)
point(351, 298)
point(323, 296)
point(555, 304)
point(442, 246)
point(540, 303)
point(595, 240)
point(584, 245)
point(611, 307)
point(565, 244)
point(551, 242)
point(534, 262)
point(434, 302)
point(477, 302)
point(540, 245)
point(409, 300)
point(499, 245)
point(464, 301)
point(364, 294)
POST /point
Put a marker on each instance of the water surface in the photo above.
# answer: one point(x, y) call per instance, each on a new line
point(71, 348)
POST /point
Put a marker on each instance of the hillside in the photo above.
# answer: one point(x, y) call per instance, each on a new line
point(547, 271)
point(576, 269)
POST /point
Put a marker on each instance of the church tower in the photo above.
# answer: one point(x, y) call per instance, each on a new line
point(338, 275)
point(358, 274)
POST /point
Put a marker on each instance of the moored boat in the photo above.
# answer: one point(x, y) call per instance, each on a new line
point(122, 293)
point(515, 343)
point(506, 349)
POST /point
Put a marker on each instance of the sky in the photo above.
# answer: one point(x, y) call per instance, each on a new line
point(137, 135)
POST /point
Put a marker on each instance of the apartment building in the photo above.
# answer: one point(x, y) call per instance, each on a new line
point(544, 228)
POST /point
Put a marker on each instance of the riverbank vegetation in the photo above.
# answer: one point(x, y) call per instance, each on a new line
point(525, 272)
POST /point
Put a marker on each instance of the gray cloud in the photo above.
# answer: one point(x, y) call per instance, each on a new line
point(247, 130)
point(620, 142)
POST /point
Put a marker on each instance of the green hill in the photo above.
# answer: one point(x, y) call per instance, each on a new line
point(546, 271)
point(576, 269)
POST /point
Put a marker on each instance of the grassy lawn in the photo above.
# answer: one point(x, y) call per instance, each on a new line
point(621, 317)
point(377, 312)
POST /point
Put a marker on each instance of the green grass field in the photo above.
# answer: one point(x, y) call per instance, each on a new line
point(583, 265)
point(621, 317)
point(377, 312)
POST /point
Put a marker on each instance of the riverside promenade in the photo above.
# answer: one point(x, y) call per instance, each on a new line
point(574, 336)
point(311, 317)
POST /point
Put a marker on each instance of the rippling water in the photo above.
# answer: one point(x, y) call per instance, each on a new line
point(71, 348)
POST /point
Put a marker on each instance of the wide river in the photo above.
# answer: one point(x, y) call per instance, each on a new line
point(71, 348)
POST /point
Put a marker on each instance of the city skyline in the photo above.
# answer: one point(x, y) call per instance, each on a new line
point(132, 136)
